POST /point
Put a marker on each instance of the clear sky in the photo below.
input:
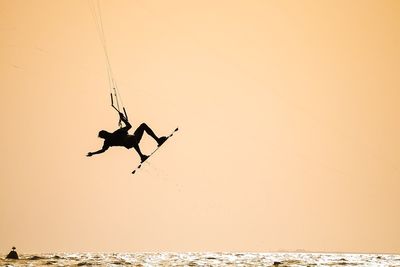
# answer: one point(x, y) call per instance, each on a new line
point(288, 114)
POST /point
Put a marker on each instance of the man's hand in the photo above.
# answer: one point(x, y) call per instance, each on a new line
point(89, 154)
point(122, 115)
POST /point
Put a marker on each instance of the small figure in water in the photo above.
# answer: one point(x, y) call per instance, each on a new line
point(121, 138)
point(13, 254)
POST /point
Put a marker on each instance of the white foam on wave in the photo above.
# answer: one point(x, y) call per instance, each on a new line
point(203, 259)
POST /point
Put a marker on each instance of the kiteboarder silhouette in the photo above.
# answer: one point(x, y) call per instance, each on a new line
point(121, 137)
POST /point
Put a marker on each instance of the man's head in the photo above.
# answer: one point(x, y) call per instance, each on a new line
point(104, 134)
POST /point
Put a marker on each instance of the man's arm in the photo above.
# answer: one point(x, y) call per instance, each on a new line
point(125, 120)
point(103, 149)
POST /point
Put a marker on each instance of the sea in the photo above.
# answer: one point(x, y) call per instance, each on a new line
point(203, 259)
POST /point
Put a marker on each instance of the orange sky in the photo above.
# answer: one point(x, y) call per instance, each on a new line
point(288, 114)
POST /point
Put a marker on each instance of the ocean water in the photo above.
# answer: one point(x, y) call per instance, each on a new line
point(203, 259)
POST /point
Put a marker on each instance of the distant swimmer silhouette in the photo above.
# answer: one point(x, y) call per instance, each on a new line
point(13, 254)
point(121, 137)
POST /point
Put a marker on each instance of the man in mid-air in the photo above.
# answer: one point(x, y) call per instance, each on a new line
point(121, 137)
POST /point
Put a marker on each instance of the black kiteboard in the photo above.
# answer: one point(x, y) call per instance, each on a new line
point(140, 165)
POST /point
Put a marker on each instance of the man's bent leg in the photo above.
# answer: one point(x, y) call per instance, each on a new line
point(144, 128)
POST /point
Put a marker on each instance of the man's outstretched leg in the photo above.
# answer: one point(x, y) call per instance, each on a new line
point(144, 128)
